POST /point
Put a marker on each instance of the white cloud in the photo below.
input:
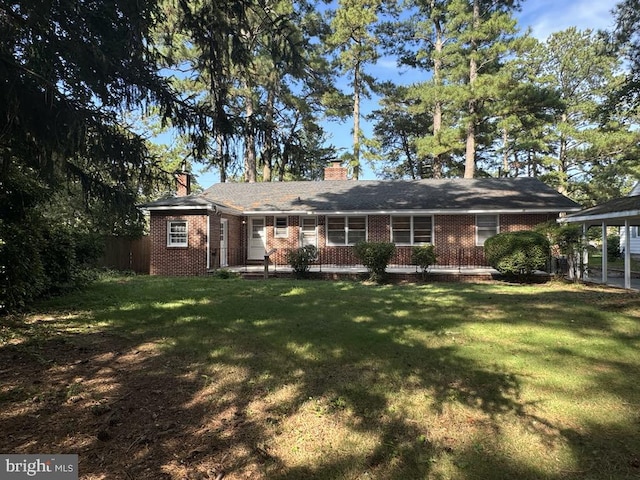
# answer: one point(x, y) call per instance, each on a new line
point(548, 16)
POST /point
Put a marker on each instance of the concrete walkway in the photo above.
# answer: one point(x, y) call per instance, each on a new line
point(615, 278)
point(357, 269)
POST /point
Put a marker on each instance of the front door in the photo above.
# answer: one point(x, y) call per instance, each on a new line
point(224, 242)
point(257, 239)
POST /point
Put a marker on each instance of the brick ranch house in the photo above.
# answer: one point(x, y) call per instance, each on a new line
point(234, 224)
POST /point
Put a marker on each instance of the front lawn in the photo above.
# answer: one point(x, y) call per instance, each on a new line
point(197, 378)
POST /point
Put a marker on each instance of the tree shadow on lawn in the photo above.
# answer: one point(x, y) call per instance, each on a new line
point(192, 387)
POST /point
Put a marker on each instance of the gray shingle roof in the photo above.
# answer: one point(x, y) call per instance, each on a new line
point(513, 194)
point(615, 211)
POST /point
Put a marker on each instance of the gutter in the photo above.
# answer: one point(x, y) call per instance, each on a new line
point(408, 211)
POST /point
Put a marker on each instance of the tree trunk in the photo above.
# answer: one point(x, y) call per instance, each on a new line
point(356, 121)
point(222, 159)
point(267, 150)
point(505, 153)
point(437, 80)
point(562, 160)
point(470, 151)
point(250, 169)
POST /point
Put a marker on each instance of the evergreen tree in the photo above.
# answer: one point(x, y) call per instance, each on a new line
point(354, 40)
point(68, 70)
point(579, 67)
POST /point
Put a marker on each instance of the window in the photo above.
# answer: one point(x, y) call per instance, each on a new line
point(308, 231)
point(280, 227)
point(486, 226)
point(346, 230)
point(177, 234)
point(411, 230)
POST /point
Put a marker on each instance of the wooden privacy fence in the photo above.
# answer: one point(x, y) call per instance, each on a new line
point(121, 253)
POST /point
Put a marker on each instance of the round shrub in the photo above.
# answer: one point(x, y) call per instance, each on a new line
point(517, 253)
point(423, 256)
point(301, 259)
point(375, 256)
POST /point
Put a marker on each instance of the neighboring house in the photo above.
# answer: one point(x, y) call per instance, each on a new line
point(239, 223)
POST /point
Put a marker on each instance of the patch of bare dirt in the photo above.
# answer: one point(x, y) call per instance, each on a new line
point(128, 411)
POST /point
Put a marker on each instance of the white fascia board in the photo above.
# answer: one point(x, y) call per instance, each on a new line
point(181, 207)
point(600, 217)
point(260, 213)
point(412, 212)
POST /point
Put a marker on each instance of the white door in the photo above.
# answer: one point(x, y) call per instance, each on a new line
point(257, 239)
point(224, 242)
point(308, 234)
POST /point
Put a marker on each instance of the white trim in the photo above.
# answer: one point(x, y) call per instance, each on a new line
point(301, 229)
point(210, 207)
point(627, 256)
point(605, 260)
point(411, 230)
point(601, 216)
point(347, 243)
point(478, 244)
point(177, 245)
point(181, 207)
point(224, 252)
point(410, 212)
point(275, 226)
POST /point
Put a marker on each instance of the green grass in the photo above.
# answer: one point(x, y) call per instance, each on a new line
point(352, 381)
point(595, 260)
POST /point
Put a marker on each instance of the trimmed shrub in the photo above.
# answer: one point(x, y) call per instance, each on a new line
point(301, 259)
point(423, 256)
point(517, 253)
point(375, 256)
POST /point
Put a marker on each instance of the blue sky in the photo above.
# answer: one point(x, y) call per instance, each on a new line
point(543, 17)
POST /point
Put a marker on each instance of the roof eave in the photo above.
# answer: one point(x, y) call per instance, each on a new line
point(479, 211)
point(600, 217)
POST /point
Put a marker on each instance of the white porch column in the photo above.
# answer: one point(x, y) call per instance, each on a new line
point(627, 256)
point(584, 258)
point(605, 260)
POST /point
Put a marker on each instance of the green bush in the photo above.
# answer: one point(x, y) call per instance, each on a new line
point(613, 248)
point(423, 256)
point(22, 274)
point(301, 259)
point(226, 274)
point(375, 256)
point(517, 253)
point(39, 259)
point(60, 260)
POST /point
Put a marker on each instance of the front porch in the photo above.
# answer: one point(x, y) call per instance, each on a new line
point(343, 259)
point(396, 273)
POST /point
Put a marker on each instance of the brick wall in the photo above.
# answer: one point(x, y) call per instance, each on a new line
point(515, 222)
point(379, 228)
point(454, 238)
point(179, 261)
point(283, 245)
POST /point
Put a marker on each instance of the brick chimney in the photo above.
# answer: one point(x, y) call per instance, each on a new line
point(183, 184)
point(335, 171)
